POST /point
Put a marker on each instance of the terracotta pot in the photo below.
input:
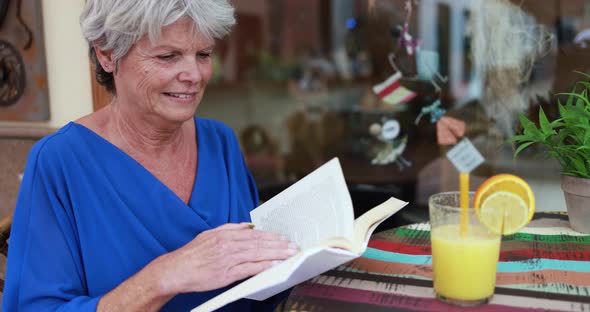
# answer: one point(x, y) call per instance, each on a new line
point(577, 200)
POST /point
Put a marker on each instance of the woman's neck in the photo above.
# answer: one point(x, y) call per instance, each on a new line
point(139, 134)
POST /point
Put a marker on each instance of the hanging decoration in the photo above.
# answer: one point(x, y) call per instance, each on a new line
point(434, 110)
point(392, 92)
point(411, 44)
point(405, 39)
point(437, 80)
point(449, 130)
point(392, 145)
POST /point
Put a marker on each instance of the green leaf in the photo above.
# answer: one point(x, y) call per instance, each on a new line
point(544, 123)
point(578, 164)
point(530, 129)
point(557, 123)
point(517, 138)
point(570, 99)
point(585, 84)
point(582, 73)
point(582, 96)
point(562, 109)
point(577, 96)
point(522, 147)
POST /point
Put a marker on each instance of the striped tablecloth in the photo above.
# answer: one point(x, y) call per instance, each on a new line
point(545, 267)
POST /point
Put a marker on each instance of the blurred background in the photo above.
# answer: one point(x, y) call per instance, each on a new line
point(302, 81)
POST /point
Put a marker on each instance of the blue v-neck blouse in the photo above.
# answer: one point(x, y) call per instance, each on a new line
point(89, 216)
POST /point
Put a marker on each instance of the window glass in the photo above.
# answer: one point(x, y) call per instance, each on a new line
point(371, 82)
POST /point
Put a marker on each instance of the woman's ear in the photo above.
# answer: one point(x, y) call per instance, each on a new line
point(105, 58)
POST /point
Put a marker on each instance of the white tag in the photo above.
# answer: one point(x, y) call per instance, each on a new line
point(390, 129)
point(464, 156)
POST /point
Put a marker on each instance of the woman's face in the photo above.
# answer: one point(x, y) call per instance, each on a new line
point(167, 79)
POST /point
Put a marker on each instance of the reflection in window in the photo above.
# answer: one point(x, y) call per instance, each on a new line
point(302, 81)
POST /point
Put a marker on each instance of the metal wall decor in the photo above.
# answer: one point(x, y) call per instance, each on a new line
point(12, 75)
point(23, 75)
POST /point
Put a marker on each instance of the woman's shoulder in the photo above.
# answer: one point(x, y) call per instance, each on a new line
point(214, 127)
point(56, 139)
point(58, 143)
point(212, 124)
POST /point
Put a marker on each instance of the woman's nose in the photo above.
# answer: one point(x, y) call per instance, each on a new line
point(190, 71)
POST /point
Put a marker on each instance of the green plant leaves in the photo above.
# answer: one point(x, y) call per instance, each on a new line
point(531, 131)
point(522, 147)
point(546, 127)
point(567, 138)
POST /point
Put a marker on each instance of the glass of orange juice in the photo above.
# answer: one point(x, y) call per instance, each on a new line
point(464, 258)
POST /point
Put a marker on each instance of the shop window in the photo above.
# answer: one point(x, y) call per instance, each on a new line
point(302, 81)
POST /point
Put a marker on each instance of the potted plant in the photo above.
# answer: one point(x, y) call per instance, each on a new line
point(567, 139)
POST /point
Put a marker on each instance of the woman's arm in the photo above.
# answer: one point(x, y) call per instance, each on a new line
point(214, 259)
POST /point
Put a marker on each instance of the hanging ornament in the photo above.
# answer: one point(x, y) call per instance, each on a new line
point(411, 44)
point(392, 145)
point(434, 110)
point(392, 92)
point(437, 80)
point(449, 130)
point(405, 39)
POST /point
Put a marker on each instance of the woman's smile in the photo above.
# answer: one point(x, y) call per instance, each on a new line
point(182, 97)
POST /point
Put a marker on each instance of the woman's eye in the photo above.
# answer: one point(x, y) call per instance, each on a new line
point(204, 55)
point(166, 57)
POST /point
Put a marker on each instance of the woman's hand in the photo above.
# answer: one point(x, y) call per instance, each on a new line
point(219, 257)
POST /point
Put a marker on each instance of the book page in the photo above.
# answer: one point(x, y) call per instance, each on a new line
point(315, 208)
point(368, 222)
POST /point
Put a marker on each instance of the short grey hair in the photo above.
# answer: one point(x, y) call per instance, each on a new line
point(118, 24)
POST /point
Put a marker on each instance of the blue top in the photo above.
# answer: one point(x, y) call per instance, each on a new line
point(89, 216)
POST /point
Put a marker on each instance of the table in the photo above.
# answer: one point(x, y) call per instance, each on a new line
point(545, 267)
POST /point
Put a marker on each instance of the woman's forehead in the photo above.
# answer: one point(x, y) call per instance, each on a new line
point(183, 34)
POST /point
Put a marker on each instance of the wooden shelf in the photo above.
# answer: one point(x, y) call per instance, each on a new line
point(24, 131)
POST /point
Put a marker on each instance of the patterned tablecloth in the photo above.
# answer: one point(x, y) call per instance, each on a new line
point(545, 267)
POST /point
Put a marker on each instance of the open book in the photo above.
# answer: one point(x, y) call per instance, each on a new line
point(316, 213)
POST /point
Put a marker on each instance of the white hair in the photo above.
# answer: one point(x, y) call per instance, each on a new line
point(118, 24)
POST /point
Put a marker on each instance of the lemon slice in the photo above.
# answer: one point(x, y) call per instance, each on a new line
point(504, 203)
point(504, 212)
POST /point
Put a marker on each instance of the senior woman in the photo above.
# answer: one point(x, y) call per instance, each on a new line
point(139, 206)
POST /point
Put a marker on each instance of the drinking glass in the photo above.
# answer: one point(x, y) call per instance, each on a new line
point(464, 257)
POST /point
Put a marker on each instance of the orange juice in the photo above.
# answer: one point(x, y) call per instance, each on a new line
point(464, 265)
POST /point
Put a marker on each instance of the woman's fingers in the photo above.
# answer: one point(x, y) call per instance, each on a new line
point(250, 234)
point(264, 251)
point(252, 245)
point(244, 231)
point(247, 245)
point(232, 226)
point(248, 269)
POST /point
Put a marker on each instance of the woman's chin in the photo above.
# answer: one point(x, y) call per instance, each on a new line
point(179, 109)
point(178, 115)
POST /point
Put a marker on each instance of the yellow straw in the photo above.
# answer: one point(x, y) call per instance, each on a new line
point(464, 200)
